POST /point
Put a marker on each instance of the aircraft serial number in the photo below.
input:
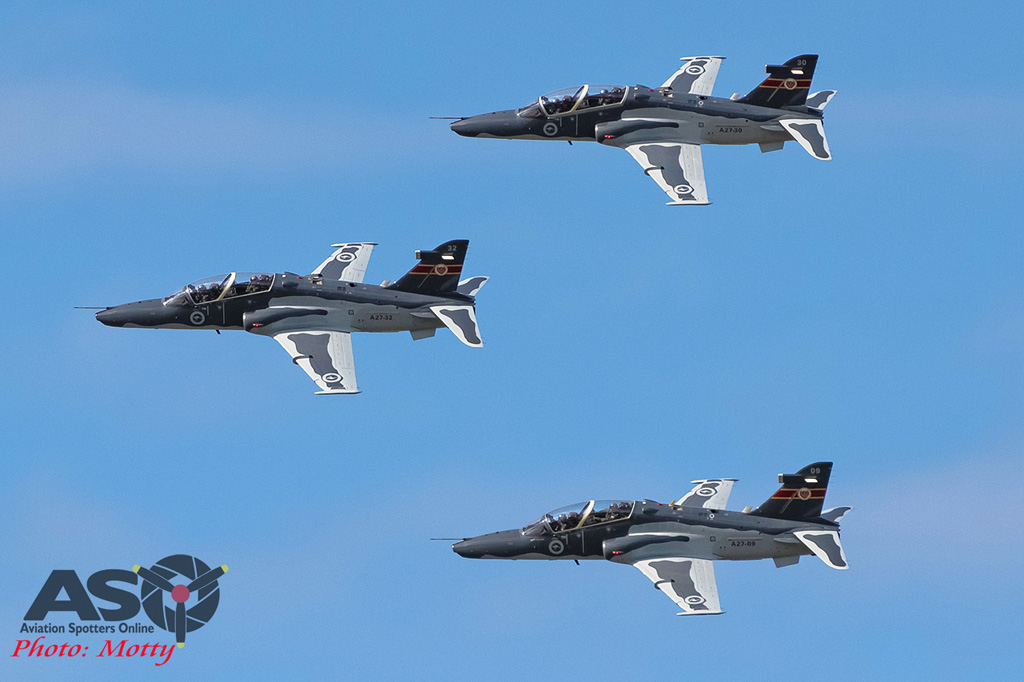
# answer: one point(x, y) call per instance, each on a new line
point(730, 130)
point(742, 543)
point(380, 317)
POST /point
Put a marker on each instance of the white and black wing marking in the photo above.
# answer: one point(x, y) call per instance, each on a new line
point(820, 100)
point(347, 263)
point(690, 583)
point(472, 285)
point(676, 167)
point(696, 76)
point(325, 356)
point(810, 133)
point(825, 545)
point(461, 319)
point(710, 493)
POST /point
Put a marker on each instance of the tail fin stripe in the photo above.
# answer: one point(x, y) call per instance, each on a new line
point(792, 494)
point(786, 83)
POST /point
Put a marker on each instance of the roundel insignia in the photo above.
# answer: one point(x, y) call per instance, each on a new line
point(789, 83)
point(197, 317)
point(440, 269)
point(556, 547)
point(694, 599)
point(550, 128)
point(706, 492)
point(345, 257)
point(331, 377)
point(682, 189)
point(695, 70)
point(803, 494)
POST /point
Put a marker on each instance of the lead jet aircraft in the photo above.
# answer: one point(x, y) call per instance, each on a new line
point(313, 317)
point(663, 128)
point(675, 544)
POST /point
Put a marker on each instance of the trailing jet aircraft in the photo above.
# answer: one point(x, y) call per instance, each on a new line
point(674, 544)
point(663, 128)
point(313, 317)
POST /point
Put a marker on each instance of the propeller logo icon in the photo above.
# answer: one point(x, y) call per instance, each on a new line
point(193, 590)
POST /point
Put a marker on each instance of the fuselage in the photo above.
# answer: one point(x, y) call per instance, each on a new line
point(638, 114)
point(647, 527)
point(282, 303)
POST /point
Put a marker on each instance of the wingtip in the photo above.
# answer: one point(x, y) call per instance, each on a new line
point(700, 613)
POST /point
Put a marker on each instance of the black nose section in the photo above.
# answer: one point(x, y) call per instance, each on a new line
point(466, 127)
point(470, 549)
point(496, 124)
point(151, 313)
point(112, 317)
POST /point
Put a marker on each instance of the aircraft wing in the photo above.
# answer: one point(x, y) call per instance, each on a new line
point(690, 583)
point(325, 356)
point(710, 493)
point(676, 167)
point(696, 76)
point(347, 263)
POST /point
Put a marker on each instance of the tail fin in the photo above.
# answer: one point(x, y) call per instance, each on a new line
point(438, 270)
point(801, 496)
point(786, 85)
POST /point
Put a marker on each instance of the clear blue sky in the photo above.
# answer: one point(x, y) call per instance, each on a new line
point(866, 311)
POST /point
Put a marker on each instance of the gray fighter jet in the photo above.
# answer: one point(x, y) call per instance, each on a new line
point(314, 316)
point(663, 128)
point(674, 544)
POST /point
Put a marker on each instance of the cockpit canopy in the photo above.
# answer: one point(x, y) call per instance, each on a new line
point(580, 515)
point(575, 100)
point(219, 287)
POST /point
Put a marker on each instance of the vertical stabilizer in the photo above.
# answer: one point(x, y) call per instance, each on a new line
point(787, 84)
point(801, 496)
point(438, 270)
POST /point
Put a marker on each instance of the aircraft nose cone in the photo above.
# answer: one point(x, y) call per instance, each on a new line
point(468, 549)
point(111, 317)
point(465, 127)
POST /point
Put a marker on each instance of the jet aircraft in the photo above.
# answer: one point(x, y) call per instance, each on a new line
point(313, 317)
point(663, 128)
point(675, 544)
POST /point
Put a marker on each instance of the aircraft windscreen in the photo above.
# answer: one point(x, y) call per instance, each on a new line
point(576, 99)
point(561, 101)
point(602, 96)
point(580, 515)
point(531, 110)
point(249, 283)
point(217, 287)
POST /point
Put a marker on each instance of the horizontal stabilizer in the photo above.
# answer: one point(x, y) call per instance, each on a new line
point(819, 99)
point(461, 319)
point(810, 133)
point(835, 514)
point(470, 287)
point(825, 545)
